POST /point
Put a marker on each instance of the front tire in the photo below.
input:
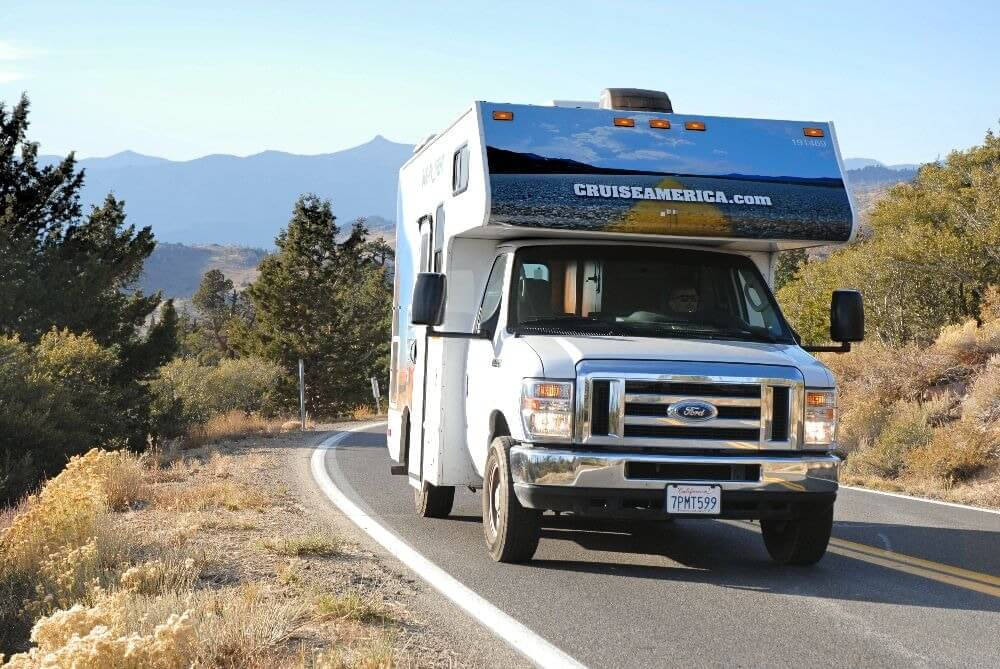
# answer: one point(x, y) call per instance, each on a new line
point(511, 531)
point(434, 501)
point(802, 541)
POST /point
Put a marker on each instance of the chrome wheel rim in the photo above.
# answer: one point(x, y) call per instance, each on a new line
point(494, 499)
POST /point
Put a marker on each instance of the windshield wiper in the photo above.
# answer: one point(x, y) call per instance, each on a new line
point(580, 325)
point(696, 330)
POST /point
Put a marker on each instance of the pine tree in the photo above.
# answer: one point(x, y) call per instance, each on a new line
point(326, 302)
point(63, 270)
point(215, 303)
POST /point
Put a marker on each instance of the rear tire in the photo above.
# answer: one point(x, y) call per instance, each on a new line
point(433, 501)
point(801, 541)
point(511, 531)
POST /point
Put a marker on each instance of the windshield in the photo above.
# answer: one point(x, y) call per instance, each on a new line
point(643, 292)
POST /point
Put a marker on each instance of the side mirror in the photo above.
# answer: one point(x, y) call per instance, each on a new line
point(428, 299)
point(847, 316)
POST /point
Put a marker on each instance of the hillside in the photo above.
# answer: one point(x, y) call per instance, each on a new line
point(176, 269)
point(223, 199)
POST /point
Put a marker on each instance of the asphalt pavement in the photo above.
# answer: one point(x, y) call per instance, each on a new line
point(905, 582)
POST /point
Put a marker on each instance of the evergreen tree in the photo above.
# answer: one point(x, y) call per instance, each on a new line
point(325, 301)
point(215, 302)
point(931, 257)
point(65, 270)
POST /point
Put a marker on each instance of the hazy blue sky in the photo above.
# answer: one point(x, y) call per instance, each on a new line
point(904, 82)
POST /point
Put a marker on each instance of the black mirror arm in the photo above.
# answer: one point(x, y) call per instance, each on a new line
point(843, 347)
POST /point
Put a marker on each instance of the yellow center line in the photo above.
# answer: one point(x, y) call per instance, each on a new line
point(917, 562)
point(986, 584)
point(931, 574)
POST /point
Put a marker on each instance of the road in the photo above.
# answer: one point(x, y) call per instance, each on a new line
point(906, 582)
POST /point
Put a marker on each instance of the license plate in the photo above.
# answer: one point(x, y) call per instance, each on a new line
point(694, 499)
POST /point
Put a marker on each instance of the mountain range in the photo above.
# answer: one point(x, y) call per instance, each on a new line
point(232, 200)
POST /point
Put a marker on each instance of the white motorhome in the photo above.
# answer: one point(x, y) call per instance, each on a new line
point(584, 324)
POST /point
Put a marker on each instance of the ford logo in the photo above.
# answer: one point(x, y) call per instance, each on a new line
point(694, 411)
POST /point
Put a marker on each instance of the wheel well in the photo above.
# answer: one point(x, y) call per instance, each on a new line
point(498, 427)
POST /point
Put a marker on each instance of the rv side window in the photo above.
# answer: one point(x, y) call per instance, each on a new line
point(460, 171)
point(425, 244)
point(489, 310)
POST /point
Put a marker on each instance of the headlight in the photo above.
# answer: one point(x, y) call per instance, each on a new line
point(821, 417)
point(547, 408)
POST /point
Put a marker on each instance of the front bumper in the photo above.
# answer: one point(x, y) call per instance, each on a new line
point(599, 483)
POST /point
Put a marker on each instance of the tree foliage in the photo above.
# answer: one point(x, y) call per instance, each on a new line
point(324, 301)
point(57, 399)
point(219, 310)
point(63, 270)
point(187, 392)
point(931, 255)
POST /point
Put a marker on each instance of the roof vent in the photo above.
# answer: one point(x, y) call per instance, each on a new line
point(636, 99)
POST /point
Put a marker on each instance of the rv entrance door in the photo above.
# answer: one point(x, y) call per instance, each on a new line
point(415, 457)
point(483, 362)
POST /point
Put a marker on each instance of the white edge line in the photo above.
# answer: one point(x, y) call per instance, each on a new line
point(919, 499)
point(528, 643)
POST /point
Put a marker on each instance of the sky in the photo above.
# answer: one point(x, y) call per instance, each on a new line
point(903, 82)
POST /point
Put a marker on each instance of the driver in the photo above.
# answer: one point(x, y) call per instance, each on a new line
point(683, 299)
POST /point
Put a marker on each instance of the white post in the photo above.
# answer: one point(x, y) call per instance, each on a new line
point(302, 393)
point(377, 394)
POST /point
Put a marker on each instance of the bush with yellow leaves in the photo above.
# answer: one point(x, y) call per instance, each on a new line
point(62, 546)
point(80, 637)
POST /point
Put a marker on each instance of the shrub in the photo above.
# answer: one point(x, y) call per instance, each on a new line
point(61, 545)
point(187, 393)
point(954, 454)
point(79, 637)
point(56, 400)
point(989, 309)
point(243, 384)
point(906, 429)
point(982, 404)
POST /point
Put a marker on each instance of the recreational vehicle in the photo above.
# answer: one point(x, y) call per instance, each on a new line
point(584, 323)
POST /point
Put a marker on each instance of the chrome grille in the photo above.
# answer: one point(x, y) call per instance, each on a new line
point(755, 405)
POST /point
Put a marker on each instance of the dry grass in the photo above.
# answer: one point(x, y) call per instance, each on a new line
point(205, 495)
point(942, 435)
point(155, 562)
point(353, 606)
point(362, 412)
point(230, 426)
point(315, 545)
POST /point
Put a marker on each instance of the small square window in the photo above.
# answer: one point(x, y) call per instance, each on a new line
point(460, 171)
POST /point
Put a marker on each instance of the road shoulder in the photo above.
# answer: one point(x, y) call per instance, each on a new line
point(442, 624)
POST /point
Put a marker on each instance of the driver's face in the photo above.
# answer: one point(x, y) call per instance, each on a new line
point(684, 300)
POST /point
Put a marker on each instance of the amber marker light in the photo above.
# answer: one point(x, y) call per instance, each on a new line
point(694, 125)
point(550, 390)
point(503, 116)
point(813, 132)
point(814, 400)
point(661, 123)
point(625, 122)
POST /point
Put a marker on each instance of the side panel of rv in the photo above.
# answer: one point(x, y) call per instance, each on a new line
point(442, 191)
